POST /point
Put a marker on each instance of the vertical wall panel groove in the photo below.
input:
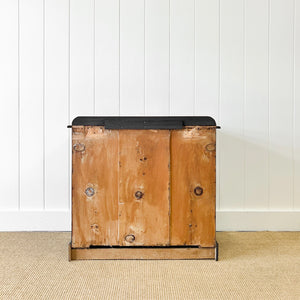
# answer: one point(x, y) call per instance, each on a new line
point(182, 57)
point(132, 57)
point(69, 107)
point(56, 104)
point(157, 57)
point(269, 38)
point(9, 104)
point(281, 104)
point(244, 98)
point(231, 105)
point(296, 108)
point(18, 130)
point(31, 104)
point(207, 58)
point(218, 159)
point(44, 116)
point(293, 114)
point(81, 57)
point(256, 95)
point(107, 57)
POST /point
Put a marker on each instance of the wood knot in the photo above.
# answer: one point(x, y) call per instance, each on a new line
point(210, 147)
point(79, 147)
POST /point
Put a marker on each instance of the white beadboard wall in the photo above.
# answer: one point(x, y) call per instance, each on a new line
point(235, 60)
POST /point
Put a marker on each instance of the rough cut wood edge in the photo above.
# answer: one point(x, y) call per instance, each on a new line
point(143, 253)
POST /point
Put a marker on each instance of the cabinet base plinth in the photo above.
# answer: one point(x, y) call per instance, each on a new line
point(143, 253)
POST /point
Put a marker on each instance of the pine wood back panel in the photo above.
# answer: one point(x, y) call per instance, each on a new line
point(193, 186)
point(94, 166)
point(144, 171)
point(151, 187)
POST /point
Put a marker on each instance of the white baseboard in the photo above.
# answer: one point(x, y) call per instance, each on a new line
point(226, 220)
point(44, 220)
point(258, 220)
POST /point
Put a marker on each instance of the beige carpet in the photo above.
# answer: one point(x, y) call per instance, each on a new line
point(262, 265)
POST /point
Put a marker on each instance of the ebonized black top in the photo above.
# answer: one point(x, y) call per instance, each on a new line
point(144, 122)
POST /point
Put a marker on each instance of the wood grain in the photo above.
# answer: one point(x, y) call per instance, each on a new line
point(95, 218)
point(130, 172)
point(193, 165)
point(144, 167)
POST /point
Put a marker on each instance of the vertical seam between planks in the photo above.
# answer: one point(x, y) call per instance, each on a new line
point(170, 187)
point(269, 125)
point(294, 104)
point(44, 115)
point(19, 127)
point(118, 233)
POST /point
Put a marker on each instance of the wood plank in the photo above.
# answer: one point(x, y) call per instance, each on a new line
point(107, 57)
point(256, 121)
point(182, 57)
point(157, 57)
point(193, 191)
point(281, 104)
point(144, 167)
point(56, 104)
point(142, 253)
point(31, 105)
point(95, 217)
point(9, 161)
point(132, 71)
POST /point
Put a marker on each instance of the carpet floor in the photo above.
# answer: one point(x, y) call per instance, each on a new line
point(252, 265)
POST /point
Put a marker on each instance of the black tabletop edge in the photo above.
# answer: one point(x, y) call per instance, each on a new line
point(144, 122)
